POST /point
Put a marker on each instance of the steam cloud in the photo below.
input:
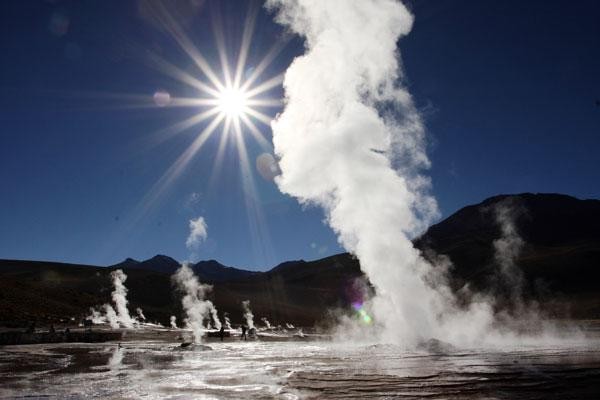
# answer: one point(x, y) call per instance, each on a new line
point(140, 314)
point(266, 322)
point(96, 316)
point(248, 316)
point(173, 321)
point(111, 316)
point(227, 321)
point(195, 306)
point(508, 247)
point(350, 141)
point(215, 316)
point(508, 281)
point(198, 233)
point(121, 316)
point(119, 297)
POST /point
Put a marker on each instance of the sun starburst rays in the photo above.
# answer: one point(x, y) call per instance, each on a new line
point(229, 102)
point(225, 97)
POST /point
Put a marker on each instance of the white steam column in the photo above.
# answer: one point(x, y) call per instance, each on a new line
point(351, 141)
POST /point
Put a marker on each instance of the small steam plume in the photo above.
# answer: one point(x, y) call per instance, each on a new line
point(196, 308)
point(121, 316)
point(507, 249)
point(508, 292)
point(227, 321)
point(248, 314)
point(266, 322)
point(96, 316)
point(198, 233)
point(215, 316)
point(111, 316)
point(119, 297)
point(140, 314)
point(289, 326)
point(173, 322)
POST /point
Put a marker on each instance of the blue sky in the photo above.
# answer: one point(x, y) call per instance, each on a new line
point(508, 91)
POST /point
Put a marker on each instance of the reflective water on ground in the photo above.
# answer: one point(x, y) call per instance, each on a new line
point(289, 368)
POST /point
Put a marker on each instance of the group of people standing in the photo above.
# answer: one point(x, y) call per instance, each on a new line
point(244, 336)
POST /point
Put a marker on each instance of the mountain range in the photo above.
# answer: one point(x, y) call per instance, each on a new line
point(558, 261)
point(208, 271)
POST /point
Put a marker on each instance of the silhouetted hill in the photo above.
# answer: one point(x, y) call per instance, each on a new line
point(542, 219)
point(559, 261)
point(212, 271)
point(209, 271)
point(158, 263)
point(50, 291)
point(560, 257)
point(299, 292)
point(55, 292)
point(127, 263)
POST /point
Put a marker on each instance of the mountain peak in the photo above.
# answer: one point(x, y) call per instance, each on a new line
point(211, 263)
point(214, 271)
point(207, 270)
point(287, 265)
point(126, 263)
point(162, 257)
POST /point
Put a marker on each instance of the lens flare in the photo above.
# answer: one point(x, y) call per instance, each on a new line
point(362, 314)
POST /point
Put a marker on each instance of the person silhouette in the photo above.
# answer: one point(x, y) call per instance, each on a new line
point(243, 332)
point(222, 332)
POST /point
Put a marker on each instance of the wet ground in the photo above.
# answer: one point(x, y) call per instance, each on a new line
point(151, 365)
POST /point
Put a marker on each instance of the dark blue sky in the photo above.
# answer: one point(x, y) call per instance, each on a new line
point(508, 91)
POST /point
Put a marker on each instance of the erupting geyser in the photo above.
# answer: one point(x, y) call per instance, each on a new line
point(140, 313)
point(266, 322)
point(121, 316)
point(215, 315)
point(195, 306)
point(227, 321)
point(96, 316)
point(248, 316)
point(351, 141)
point(119, 297)
point(111, 316)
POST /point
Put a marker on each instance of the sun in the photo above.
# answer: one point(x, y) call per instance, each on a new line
point(232, 102)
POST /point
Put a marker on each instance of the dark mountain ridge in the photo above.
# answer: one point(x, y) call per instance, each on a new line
point(561, 255)
point(561, 237)
point(544, 219)
point(209, 271)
